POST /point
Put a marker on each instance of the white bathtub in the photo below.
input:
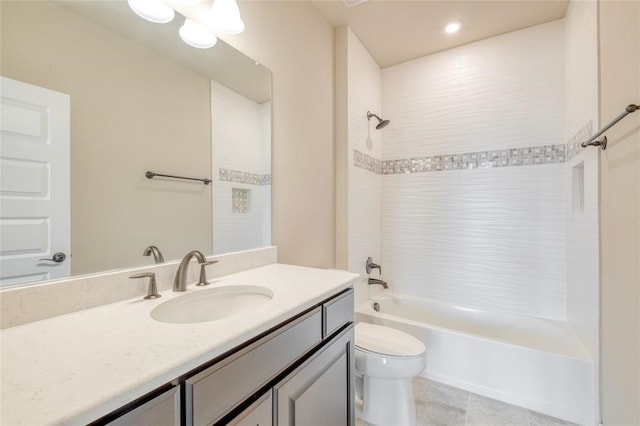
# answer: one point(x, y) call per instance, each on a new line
point(534, 363)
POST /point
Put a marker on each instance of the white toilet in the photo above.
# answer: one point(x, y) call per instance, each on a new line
point(386, 361)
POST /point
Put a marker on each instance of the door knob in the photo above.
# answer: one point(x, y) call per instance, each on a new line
point(57, 257)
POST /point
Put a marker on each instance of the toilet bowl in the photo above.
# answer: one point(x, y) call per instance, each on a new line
point(386, 361)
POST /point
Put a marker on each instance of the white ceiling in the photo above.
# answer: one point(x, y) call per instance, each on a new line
point(396, 31)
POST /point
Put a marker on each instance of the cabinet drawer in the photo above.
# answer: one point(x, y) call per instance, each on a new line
point(218, 389)
point(337, 312)
point(163, 410)
point(260, 413)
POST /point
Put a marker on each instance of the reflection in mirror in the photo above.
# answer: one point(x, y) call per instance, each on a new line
point(241, 129)
point(138, 99)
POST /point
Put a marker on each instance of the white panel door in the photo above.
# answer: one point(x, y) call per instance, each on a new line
point(34, 183)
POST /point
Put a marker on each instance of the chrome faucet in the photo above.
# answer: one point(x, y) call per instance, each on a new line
point(157, 254)
point(377, 281)
point(180, 283)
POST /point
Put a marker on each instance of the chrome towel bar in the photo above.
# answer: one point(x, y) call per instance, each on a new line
point(151, 175)
point(603, 142)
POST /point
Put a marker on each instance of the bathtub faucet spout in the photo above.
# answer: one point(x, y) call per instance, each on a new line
point(377, 281)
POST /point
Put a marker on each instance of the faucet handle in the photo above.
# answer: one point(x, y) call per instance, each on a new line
point(152, 291)
point(370, 266)
point(203, 275)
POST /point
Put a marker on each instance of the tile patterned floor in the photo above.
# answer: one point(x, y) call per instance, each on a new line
point(442, 405)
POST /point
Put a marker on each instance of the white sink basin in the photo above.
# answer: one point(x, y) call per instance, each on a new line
point(212, 304)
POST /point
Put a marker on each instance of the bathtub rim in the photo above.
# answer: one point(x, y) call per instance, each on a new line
point(584, 355)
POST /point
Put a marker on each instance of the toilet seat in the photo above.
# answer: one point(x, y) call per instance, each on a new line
point(387, 341)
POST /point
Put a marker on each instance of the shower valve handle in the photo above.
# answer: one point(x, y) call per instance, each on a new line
point(371, 266)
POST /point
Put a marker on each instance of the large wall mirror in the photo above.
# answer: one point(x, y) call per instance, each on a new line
point(138, 100)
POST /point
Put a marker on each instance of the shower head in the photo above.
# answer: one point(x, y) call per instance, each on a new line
point(381, 123)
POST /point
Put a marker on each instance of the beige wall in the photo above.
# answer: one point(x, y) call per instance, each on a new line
point(290, 38)
point(131, 110)
point(619, 23)
point(296, 44)
point(342, 154)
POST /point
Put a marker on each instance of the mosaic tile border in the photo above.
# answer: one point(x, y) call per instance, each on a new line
point(573, 145)
point(367, 162)
point(535, 155)
point(237, 176)
point(512, 157)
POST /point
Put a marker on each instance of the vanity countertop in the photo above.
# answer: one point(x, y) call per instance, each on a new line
point(75, 368)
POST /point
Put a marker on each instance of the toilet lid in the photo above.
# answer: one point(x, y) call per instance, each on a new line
point(387, 341)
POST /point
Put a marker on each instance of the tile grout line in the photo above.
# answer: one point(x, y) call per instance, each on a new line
point(466, 415)
point(502, 410)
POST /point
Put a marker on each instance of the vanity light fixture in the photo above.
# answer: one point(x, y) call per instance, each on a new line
point(152, 10)
point(196, 35)
point(452, 27)
point(225, 17)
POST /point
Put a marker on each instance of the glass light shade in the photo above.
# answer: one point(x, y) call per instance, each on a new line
point(225, 17)
point(196, 35)
point(152, 10)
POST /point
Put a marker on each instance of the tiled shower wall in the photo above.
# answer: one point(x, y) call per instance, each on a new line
point(474, 203)
point(241, 149)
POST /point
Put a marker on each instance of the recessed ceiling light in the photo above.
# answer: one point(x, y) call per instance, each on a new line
point(452, 27)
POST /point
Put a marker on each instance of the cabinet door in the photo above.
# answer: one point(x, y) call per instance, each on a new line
point(163, 410)
point(260, 413)
point(320, 391)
